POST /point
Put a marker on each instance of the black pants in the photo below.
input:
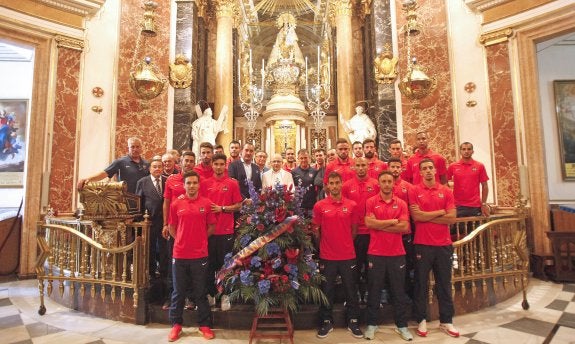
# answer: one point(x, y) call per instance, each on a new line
point(218, 247)
point(190, 273)
point(409, 263)
point(169, 279)
point(158, 252)
point(438, 259)
point(347, 269)
point(393, 268)
point(361, 244)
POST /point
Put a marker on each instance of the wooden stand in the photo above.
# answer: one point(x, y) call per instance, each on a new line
point(275, 325)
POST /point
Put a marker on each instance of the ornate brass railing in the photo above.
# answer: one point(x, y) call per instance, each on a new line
point(494, 251)
point(69, 254)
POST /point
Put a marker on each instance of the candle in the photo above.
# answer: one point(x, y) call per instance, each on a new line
point(328, 71)
point(318, 64)
point(306, 72)
point(315, 143)
point(251, 64)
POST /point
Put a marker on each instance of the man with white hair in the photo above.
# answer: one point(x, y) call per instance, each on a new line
point(277, 175)
point(129, 168)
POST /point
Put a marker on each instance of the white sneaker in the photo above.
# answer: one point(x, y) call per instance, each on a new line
point(226, 304)
point(370, 332)
point(449, 329)
point(422, 329)
point(404, 333)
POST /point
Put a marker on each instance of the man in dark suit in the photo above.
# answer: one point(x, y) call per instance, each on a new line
point(244, 169)
point(150, 189)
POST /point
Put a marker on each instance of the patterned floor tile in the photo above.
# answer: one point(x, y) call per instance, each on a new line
point(10, 321)
point(558, 305)
point(5, 302)
point(531, 326)
point(567, 319)
point(563, 335)
point(39, 329)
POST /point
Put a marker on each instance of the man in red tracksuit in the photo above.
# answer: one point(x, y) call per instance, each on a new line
point(337, 218)
point(433, 209)
point(191, 223)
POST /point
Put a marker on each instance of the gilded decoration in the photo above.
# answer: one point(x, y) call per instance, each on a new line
point(181, 72)
point(342, 8)
point(224, 8)
point(496, 37)
point(384, 66)
point(68, 42)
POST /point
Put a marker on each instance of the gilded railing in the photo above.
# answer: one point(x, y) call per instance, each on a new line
point(494, 252)
point(69, 255)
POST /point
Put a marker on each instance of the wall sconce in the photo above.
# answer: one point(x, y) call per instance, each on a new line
point(181, 72)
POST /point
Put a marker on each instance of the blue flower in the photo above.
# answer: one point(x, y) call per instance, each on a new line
point(313, 266)
point(245, 240)
point(293, 270)
point(272, 249)
point(228, 259)
point(256, 262)
point(294, 284)
point(264, 286)
point(276, 263)
point(246, 277)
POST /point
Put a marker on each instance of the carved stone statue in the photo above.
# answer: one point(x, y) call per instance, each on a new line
point(359, 127)
point(205, 128)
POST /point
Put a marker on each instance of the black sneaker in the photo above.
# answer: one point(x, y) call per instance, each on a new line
point(353, 327)
point(325, 328)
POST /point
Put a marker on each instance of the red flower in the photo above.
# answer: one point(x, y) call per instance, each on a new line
point(260, 227)
point(306, 277)
point(261, 209)
point(284, 278)
point(280, 214)
point(292, 254)
point(268, 270)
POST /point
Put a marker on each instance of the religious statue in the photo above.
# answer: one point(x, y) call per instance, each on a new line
point(359, 127)
point(205, 128)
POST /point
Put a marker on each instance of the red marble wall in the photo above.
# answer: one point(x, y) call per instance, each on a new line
point(503, 124)
point(147, 121)
point(64, 136)
point(435, 113)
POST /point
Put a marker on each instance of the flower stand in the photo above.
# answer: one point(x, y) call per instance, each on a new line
point(275, 325)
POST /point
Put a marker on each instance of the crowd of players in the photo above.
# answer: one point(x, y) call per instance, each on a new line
point(379, 225)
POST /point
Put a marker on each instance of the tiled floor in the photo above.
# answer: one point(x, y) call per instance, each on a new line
point(551, 319)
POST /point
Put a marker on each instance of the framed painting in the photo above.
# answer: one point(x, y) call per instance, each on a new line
point(13, 116)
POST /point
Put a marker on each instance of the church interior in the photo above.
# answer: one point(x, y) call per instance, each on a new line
point(83, 76)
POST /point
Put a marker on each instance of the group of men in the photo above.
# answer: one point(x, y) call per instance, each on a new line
point(362, 208)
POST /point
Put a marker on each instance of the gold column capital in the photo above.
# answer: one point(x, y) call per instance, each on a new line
point(342, 8)
point(224, 8)
point(202, 8)
point(69, 42)
point(495, 37)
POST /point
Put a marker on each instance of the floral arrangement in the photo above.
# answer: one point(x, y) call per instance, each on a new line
point(270, 269)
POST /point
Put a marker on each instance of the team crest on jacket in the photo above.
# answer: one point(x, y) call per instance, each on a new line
point(225, 188)
point(394, 206)
point(369, 189)
point(344, 209)
point(440, 195)
point(202, 210)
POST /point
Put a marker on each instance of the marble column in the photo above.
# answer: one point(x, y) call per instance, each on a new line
point(190, 42)
point(64, 137)
point(224, 66)
point(379, 38)
point(503, 124)
point(344, 44)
